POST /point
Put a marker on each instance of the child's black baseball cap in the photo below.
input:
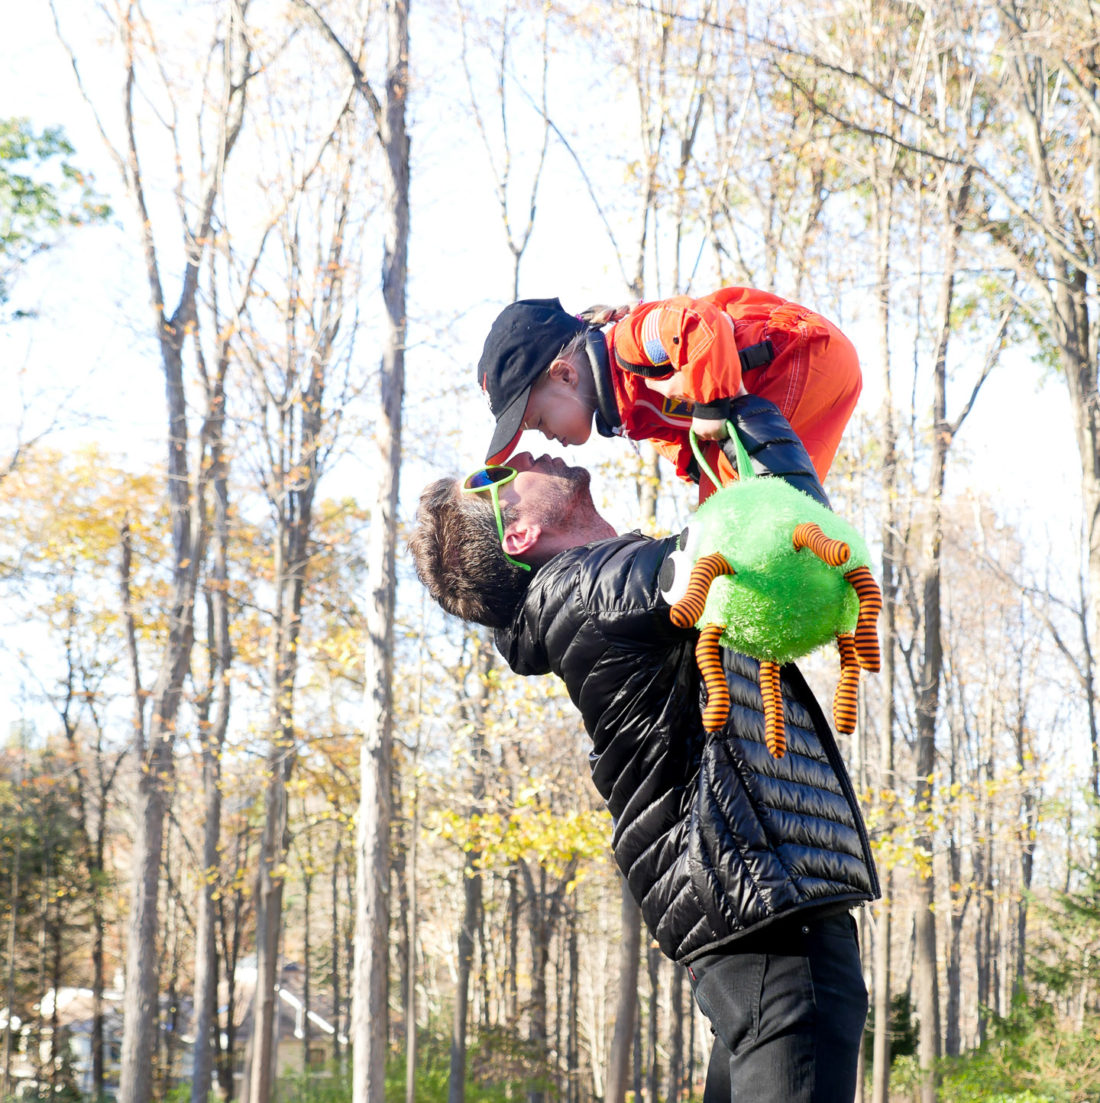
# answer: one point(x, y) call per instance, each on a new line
point(523, 340)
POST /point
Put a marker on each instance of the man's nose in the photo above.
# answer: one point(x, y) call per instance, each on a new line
point(522, 461)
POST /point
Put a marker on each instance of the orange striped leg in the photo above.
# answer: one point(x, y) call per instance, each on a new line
point(809, 535)
point(775, 733)
point(708, 657)
point(870, 605)
point(844, 700)
point(689, 608)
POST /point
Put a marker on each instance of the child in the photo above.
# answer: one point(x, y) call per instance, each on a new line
point(662, 368)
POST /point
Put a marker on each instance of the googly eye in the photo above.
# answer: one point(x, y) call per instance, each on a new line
point(676, 570)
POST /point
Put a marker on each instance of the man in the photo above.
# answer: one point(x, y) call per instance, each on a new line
point(745, 867)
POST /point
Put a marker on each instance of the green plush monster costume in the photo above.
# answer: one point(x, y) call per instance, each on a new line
point(769, 572)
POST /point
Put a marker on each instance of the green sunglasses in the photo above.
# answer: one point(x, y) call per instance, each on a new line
point(492, 478)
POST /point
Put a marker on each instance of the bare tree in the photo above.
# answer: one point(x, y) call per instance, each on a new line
point(372, 925)
point(188, 477)
point(1033, 207)
point(1049, 87)
point(375, 809)
point(297, 398)
point(500, 151)
point(954, 197)
point(213, 709)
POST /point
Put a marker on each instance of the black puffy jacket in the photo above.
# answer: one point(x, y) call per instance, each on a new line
point(714, 836)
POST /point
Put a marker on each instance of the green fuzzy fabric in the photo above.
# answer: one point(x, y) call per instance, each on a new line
point(782, 603)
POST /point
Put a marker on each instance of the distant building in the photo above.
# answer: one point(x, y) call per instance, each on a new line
point(290, 1022)
point(74, 1012)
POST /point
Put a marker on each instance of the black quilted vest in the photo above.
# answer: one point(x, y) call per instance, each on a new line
point(715, 837)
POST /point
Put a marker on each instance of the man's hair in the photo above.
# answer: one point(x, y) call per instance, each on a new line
point(457, 553)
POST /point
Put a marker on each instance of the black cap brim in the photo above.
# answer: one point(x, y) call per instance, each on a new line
point(509, 427)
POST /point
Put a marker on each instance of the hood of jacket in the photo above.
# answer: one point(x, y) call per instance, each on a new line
point(714, 836)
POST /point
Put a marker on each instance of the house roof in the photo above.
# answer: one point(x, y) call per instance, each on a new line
point(290, 1003)
point(75, 1007)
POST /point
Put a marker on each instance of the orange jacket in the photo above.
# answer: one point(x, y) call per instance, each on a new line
point(814, 376)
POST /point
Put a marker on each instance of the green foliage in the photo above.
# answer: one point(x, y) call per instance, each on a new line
point(40, 843)
point(1034, 1055)
point(326, 1085)
point(1067, 960)
point(500, 1067)
point(1030, 1057)
point(502, 1059)
point(531, 830)
point(41, 193)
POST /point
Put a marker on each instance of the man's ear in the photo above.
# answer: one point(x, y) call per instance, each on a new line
point(520, 538)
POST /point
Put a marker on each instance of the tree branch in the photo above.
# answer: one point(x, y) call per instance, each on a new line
point(362, 85)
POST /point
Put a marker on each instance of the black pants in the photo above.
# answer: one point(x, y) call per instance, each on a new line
point(787, 1007)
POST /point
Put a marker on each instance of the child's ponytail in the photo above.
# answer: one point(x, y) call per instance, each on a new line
point(604, 315)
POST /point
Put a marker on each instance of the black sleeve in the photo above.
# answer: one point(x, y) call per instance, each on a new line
point(594, 617)
point(588, 600)
point(773, 446)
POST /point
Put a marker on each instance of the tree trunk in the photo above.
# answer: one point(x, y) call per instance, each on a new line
point(307, 994)
point(269, 916)
point(653, 966)
point(369, 1016)
point(213, 740)
point(471, 884)
point(1028, 832)
point(55, 932)
point(172, 1010)
point(99, 931)
point(9, 983)
point(411, 936)
point(956, 912)
point(622, 1042)
point(291, 556)
point(573, 1061)
point(337, 1018)
point(230, 934)
point(539, 926)
point(676, 1045)
point(639, 1054)
point(983, 942)
point(206, 954)
point(926, 963)
point(930, 672)
point(511, 953)
point(883, 195)
point(399, 879)
point(154, 752)
point(1080, 374)
point(140, 1011)
point(952, 1040)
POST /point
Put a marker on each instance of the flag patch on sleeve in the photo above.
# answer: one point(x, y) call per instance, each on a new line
point(654, 351)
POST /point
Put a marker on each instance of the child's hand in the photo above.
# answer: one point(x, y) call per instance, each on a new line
point(709, 428)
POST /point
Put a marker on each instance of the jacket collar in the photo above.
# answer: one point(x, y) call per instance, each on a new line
point(608, 422)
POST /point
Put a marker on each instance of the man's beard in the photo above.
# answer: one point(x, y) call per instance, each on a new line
point(571, 500)
point(580, 479)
